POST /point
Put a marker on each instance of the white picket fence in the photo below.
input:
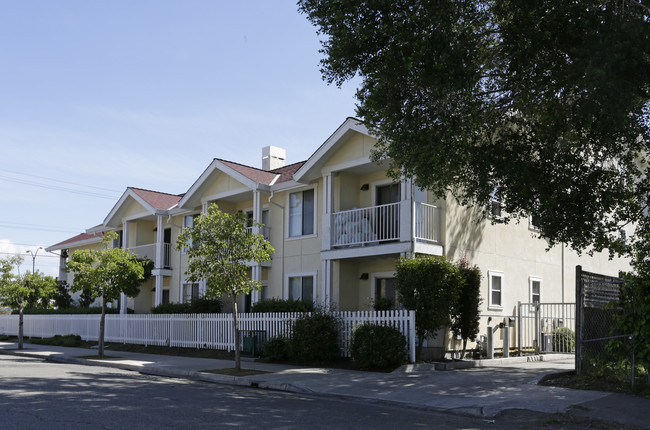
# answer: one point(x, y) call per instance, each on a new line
point(208, 331)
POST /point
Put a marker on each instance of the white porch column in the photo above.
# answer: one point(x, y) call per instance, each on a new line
point(125, 245)
point(406, 211)
point(256, 269)
point(328, 209)
point(326, 285)
point(159, 260)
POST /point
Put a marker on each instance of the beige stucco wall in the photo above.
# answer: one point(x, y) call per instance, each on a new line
point(358, 146)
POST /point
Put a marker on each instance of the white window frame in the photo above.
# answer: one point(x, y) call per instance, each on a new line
point(382, 183)
point(374, 276)
point(186, 224)
point(185, 284)
point(531, 280)
point(495, 201)
point(499, 274)
point(530, 223)
point(288, 276)
point(288, 212)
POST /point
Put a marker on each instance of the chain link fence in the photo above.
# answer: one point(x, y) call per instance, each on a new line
point(596, 319)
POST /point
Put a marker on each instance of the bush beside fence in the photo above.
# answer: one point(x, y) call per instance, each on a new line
point(207, 331)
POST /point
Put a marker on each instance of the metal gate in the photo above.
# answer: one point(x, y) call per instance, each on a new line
point(594, 292)
point(546, 328)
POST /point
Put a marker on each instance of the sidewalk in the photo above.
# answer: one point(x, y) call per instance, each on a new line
point(481, 391)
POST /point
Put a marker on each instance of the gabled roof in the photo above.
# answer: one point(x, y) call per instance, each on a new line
point(153, 202)
point(78, 240)
point(158, 200)
point(311, 169)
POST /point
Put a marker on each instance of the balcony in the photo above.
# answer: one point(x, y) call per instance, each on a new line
point(149, 251)
point(264, 230)
point(399, 224)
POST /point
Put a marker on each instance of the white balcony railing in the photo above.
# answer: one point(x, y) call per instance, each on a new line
point(379, 224)
point(426, 223)
point(149, 251)
point(366, 226)
point(264, 230)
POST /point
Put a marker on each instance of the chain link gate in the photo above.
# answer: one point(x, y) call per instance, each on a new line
point(594, 319)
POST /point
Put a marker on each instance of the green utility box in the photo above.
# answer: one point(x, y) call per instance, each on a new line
point(252, 342)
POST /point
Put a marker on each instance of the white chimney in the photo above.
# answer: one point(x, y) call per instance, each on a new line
point(273, 157)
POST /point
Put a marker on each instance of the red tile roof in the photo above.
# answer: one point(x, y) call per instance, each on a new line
point(157, 200)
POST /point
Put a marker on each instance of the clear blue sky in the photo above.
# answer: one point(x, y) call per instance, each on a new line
point(98, 96)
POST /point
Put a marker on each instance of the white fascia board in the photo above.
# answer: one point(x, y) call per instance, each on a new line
point(238, 176)
point(288, 185)
point(128, 193)
point(224, 194)
point(350, 124)
point(347, 165)
point(197, 185)
point(75, 244)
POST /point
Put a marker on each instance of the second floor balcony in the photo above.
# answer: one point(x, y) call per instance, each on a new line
point(404, 221)
point(149, 251)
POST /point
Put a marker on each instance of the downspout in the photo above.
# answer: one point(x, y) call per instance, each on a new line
point(282, 242)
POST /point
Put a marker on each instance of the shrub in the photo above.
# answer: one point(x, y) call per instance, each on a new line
point(198, 306)
point(280, 305)
point(70, 340)
point(564, 340)
point(383, 304)
point(68, 311)
point(277, 349)
point(378, 347)
point(315, 338)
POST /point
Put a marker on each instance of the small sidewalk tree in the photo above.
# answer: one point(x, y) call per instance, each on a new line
point(220, 250)
point(107, 273)
point(430, 287)
point(17, 290)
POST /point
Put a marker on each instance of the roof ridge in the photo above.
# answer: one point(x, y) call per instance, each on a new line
point(157, 192)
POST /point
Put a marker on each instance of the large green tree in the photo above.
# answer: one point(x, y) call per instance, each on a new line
point(17, 290)
point(545, 101)
point(220, 248)
point(107, 273)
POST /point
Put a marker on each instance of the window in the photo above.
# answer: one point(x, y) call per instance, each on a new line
point(384, 291)
point(301, 213)
point(118, 241)
point(533, 222)
point(301, 288)
point(535, 290)
point(165, 297)
point(496, 206)
point(495, 280)
point(189, 222)
point(190, 292)
point(264, 230)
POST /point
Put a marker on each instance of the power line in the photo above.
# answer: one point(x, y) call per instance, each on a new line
point(21, 226)
point(37, 257)
point(59, 180)
point(57, 188)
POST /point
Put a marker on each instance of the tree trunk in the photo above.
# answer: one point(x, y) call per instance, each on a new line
point(462, 355)
point(20, 328)
point(102, 324)
point(236, 324)
point(418, 350)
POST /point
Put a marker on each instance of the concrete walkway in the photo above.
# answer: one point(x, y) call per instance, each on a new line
point(481, 391)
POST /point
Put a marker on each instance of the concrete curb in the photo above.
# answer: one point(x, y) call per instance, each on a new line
point(470, 364)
